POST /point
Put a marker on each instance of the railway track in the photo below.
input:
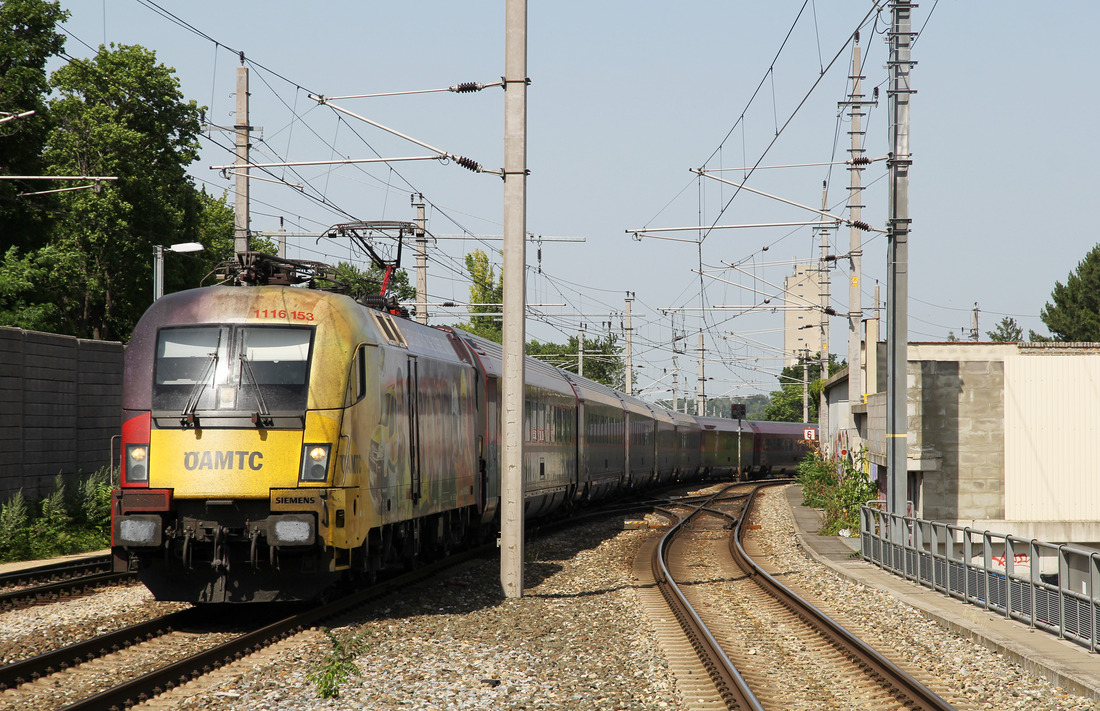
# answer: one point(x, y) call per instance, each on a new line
point(708, 597)
point(161, 654)
point(54, 572)
point(131, 665)
point(56, 581)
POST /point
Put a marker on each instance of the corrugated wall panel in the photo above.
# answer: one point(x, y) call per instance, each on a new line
point(1052, 437)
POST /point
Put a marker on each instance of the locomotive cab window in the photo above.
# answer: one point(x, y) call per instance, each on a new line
point(232, 368)
point(275, 361)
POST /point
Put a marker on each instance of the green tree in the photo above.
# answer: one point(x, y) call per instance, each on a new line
point(786, 403)
point(1074, 314)
point(28, 37)
point(602, 356)
point(26, 293)
point(121, 114)
point(1007, 331)
point(603, 360)
point(369, 283)
point(486, 296)
point(118, 114)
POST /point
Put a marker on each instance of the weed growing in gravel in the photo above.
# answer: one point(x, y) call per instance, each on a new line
point(339, 664)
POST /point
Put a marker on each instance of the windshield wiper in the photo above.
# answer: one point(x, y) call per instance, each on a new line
point(263, 417)
point(187, 417)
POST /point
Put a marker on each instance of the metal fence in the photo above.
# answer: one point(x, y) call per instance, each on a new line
point(1047, 586)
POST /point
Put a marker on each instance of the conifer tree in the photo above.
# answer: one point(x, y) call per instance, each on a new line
point(1073, 314)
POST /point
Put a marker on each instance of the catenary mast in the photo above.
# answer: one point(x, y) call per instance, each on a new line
point(900, 38)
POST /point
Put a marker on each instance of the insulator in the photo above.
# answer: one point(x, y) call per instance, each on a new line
point(468, 163)
point(861, 225)
point(466, 87)
point(862, 160)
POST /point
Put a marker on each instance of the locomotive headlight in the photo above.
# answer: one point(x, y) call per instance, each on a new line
point(142, 531)
point(314, 462)
point(291, 530)
point(137, 465)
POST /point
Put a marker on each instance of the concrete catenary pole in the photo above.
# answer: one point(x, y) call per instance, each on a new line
point(242, 128)
point(421, 260)
point(676, 371)
point(900, 38)
point(515, 278)
point(856, 388)
point(824, 287)
point(701, 390)
point(629, 355)
point(580, 351)
point(806, 385)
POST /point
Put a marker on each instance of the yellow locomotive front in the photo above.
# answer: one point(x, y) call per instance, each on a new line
point(234, 401)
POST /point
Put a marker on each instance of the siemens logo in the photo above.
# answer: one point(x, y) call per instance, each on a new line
point(295, 500)
point(222, 460)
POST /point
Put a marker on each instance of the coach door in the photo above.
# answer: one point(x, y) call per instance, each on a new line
point(414, 431)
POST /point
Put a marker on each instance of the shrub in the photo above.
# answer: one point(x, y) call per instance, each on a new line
point(15, 542)
point(69, 520)
point(837, 487)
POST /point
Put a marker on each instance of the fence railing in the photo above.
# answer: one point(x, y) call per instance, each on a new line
point(1047, 586)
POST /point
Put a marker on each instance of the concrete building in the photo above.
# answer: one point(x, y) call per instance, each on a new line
point(1001, 437)
point(802, 313)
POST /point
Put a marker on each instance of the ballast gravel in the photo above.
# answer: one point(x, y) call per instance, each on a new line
point(578, 639)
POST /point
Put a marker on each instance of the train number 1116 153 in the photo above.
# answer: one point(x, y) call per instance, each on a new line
point(283, 314)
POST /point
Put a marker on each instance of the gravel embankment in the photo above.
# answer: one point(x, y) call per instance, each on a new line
point(963, 670)
point(577, 639)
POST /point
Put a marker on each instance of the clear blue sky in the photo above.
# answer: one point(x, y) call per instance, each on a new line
point(625, 98)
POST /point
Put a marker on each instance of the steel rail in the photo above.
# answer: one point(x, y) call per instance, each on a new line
point(28, 670)
point(52, 571)
point(729, 683)
point(914, 691)
point(54, 591)
point(157, 681)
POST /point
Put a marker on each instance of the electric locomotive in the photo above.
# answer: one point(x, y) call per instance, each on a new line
point(276, 438)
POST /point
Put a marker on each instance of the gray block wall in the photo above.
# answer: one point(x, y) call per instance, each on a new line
point(60, 400)
point(961, 416)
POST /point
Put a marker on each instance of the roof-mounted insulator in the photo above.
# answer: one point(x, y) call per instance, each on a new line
point(466, 87)
point(862, 160)
point(861, 225)
point(468, 163)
